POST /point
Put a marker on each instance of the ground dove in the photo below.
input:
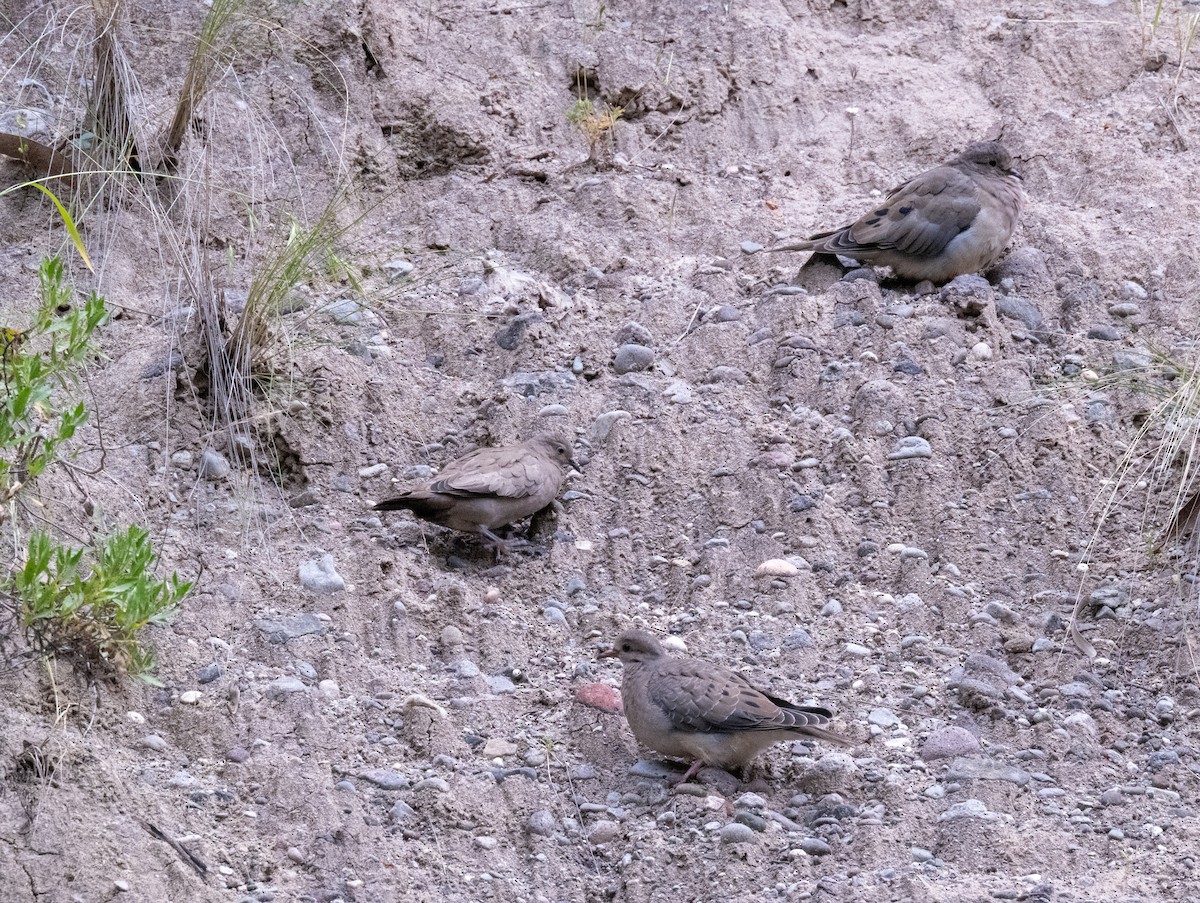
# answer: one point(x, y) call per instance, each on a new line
point(491, 487)
point(956, 218)
point(694, 710)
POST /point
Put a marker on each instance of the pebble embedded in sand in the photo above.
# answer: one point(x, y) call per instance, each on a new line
point(776, 567)
point(600, 696)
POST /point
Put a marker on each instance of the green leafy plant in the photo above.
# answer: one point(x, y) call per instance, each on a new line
point(35, 364)
point(91, 604)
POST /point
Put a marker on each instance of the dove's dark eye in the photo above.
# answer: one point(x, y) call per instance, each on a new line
point(625, 647)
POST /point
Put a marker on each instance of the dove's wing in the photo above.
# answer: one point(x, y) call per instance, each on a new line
point(919, 218)
point(704, 698)
point(509, 472)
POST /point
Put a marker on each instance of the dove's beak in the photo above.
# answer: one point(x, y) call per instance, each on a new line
point(1013, 171)
point(608, 653)
point(575, 465)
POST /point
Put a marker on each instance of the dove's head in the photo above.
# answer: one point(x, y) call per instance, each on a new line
point(557, 449)
point(988, 157)
point(635, 647)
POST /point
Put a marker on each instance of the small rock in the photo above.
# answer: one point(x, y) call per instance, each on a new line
point(321, 576)
point(776, 567)
point(496, 748)
point(385, 779)
point(603, 831)
point(541, 823)
point(213, 465)
point(155, 742)
point(814, 846)
point(911, 447)
point(735, 832)
point(285, 686)
point(600, 696)
point(631, 358)
point(190, 697)
point(281, 629)
point(634, 333)
point(397, 269)
point(401, 811)
point(949, 742)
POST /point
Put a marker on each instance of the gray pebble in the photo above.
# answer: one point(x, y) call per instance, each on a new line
point(213, 465)
point(1104, 333)
point(509, 335)
point(500, 684)
point(304, 669)
point(397, 269)
point(911, 447)
point(634, 333)
point(285, 686)
point(281, 629)
point(238, 754)
point(401, 812)
point(155, 742)
point(884, 718)
point(968, 809)
point(645, 768)
point(631, 358)
point(750, 801)
point(438, 784)
point(735, 832)
point(209, 673)
point(385, 779)
point(321, 576)
point(949, 742)
point(1017, 308)
point(815, 847)
point(724, 374)
point(604, 831)
point(678, 393)
point(541, 823)
point(750, 247)
point(1131, 291)
point(969, 768)
point(752, 821)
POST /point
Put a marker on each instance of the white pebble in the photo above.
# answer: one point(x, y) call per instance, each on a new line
point(190, 697)
point(776, 567)
point(982, 351)
point(673, 642)
point(136, 717)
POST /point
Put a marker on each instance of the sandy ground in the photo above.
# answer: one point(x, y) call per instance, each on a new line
point(415, 735)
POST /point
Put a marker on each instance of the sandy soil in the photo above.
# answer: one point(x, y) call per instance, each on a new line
point(415, 736)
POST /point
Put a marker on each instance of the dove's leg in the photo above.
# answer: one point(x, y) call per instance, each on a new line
point(692, 770)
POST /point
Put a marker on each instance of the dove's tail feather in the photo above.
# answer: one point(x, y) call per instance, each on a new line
point(828, 736)
point(805, 244)
point(426, 506)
